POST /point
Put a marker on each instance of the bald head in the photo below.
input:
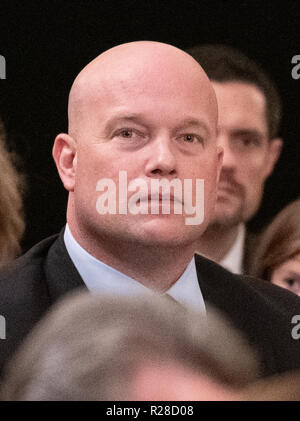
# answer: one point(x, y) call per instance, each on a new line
point(149, 110)
point(134, 64)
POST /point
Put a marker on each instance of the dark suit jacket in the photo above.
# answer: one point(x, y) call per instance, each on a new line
point(260, 310)
point(251, 242)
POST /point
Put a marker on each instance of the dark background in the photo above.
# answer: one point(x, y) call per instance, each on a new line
point(46, 43)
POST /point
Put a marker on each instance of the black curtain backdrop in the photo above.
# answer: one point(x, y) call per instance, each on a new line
point(46, 43)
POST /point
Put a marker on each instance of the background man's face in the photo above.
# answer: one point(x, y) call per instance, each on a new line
point(249, 155)
point(151, 128)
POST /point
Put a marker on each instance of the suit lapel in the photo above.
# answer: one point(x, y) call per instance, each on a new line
point(207, 280)
point(224, 291)
point(251, 241)
point(61, 274)
point(241, 304)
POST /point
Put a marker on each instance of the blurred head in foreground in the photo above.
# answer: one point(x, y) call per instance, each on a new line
point(284, 387)
point(11, 205)
point(93, 348)
point(277, 258)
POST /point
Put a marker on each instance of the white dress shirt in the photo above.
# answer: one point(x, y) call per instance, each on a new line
point(104, 279)
point(233, 260)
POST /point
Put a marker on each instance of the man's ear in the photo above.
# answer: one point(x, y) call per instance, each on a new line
point(65, 157)
point(274, 150)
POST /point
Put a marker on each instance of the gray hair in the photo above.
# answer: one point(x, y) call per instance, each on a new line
point(88, 348)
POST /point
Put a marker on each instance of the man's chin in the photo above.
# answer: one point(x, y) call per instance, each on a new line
point(167, 232)
point(226, 216)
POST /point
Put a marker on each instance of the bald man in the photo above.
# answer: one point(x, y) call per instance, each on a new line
point(143, 117)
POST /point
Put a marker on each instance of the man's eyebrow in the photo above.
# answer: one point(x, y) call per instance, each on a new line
point(140, 119)
point(135, 118)
point(293, 273)
point(247, 132)
point(193, 122)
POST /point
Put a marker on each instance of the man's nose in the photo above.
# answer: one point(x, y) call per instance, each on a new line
point(229, 158)
point(162, 160)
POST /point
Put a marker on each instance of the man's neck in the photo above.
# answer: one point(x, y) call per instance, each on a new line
point(154, 266)
point(216, 241)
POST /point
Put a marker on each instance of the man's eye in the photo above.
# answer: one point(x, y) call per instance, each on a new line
point(129, 136)
point(191, 138)
point(127, 133)
point(290, 282)
point(249, 142)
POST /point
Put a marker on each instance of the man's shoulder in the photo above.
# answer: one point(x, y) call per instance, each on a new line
point(24, 295)
point(26, 269)
point(23, 283)
point(216, 279)
point(262, 311)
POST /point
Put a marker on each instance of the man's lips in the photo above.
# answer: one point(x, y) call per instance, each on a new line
point(227, 188)
point(161, 198)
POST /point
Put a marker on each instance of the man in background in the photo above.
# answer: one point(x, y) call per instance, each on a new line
point(249, 119)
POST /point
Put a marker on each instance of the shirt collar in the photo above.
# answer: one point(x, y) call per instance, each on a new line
point(233, 260)
point(102, 278)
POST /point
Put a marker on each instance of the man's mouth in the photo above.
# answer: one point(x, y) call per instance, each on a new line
point(161, 198)
point(227, 188)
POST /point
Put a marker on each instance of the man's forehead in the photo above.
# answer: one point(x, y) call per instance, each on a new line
point(143, 67)
point(241, 92)
point(241, 105)
point(141, 60)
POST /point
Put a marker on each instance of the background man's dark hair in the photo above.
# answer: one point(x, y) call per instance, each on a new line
point(226, 64)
